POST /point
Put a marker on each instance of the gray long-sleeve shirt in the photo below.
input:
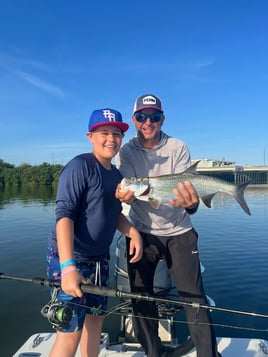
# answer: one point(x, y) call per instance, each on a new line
point(169, 156)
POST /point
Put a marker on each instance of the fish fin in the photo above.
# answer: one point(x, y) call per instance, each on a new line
point(207, 199)
point(154, 202)
point(239, 196)
point(193, 167)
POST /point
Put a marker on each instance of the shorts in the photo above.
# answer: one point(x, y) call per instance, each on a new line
point(96, 273)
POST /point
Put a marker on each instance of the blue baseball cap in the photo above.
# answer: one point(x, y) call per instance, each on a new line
point(106, 116)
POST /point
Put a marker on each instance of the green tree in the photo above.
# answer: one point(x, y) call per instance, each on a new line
point(44, 174)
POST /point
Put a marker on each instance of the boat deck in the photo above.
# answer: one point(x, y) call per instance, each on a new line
point(39, 345)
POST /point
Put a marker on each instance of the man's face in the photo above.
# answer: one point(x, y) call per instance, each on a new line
point(148, 123)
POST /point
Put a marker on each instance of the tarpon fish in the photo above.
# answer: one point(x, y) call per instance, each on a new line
point(159, 189)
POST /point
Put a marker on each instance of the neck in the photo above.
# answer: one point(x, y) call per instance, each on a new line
point(105, 163)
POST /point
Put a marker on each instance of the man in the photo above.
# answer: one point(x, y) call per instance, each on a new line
point(167, 232)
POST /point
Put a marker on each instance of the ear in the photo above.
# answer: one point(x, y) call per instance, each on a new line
point(90, 136)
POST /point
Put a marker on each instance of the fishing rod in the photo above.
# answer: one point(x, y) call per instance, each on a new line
point(110, 292)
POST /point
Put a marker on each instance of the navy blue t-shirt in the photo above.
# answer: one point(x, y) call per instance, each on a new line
point(86, 194)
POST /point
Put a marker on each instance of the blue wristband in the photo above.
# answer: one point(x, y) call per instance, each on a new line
point(67, 263)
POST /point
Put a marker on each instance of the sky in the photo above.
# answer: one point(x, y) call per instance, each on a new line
point(206, 59)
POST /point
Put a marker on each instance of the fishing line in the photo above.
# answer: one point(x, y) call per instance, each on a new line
point(118, 310)
point(181, 322)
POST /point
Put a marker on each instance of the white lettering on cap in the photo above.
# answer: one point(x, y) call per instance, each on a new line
point(109, 115)
point(149, 100)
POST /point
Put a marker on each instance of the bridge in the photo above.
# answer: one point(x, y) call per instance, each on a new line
point(226, 170)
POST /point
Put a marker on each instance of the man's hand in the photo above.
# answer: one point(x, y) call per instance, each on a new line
point(124, 196)
point(186, 196)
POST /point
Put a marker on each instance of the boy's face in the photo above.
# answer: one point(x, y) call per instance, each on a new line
point(106, 141)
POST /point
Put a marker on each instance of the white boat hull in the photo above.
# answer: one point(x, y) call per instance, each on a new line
point(39, 345)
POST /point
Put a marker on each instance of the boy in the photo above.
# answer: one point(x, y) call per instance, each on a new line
point(87, 216)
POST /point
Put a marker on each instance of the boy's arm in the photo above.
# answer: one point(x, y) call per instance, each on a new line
point(130, 231)
point(70, 277)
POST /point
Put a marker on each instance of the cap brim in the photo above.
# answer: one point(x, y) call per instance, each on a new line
point(150, 107)
point(123, 126)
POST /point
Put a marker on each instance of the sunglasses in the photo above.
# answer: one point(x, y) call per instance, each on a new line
point(154, 118)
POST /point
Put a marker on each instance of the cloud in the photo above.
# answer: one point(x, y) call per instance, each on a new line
point(17, 66)
point(201, 64)
point(39, 83)
point(17, 61)
point(192, 69)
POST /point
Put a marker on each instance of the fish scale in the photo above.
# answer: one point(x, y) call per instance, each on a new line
point(204, 185)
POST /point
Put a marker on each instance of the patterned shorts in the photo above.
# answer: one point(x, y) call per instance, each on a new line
point(89, 303)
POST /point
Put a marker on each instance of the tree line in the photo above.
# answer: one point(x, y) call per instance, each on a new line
point(44, 174)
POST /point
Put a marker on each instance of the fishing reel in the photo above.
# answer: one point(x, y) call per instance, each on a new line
point(58, 314)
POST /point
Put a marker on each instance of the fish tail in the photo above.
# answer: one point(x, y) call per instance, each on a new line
point(239, 196)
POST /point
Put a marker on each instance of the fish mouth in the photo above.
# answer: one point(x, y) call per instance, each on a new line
point(146, 192)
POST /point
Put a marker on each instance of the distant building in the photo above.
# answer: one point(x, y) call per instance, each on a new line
point(213, 163)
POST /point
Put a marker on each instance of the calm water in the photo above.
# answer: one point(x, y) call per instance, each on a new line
point(233, 248)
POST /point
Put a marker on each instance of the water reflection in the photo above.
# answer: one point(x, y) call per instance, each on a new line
point(26, 194)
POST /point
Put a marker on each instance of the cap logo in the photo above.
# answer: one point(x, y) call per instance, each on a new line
point(107, 114)
point(149, 100)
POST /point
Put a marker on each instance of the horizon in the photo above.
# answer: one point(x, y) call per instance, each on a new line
point(233, 164)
